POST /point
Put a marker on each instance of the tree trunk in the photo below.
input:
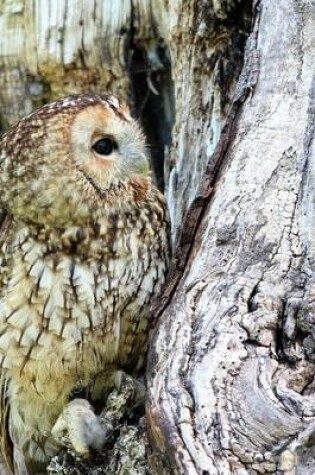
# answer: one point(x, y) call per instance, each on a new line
point(231, 365)
point(231, 368)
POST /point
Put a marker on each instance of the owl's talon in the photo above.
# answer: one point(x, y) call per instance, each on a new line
point(80, 428)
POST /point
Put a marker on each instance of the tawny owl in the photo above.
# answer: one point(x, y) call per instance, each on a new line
point(84, 247)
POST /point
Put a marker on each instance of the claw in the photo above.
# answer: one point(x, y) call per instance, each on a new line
point(79, 427)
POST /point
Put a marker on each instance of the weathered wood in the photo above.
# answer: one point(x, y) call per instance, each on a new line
point(206, 43)
point(231, 366)
point(50, 49)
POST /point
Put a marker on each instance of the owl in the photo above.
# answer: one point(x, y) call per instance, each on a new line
point(84, 247)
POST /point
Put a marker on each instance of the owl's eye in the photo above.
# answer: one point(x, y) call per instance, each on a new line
point(105, 146)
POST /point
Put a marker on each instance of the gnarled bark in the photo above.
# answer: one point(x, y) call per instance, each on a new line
point(231, 372)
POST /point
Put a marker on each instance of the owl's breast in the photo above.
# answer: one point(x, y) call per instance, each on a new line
point(69, 314)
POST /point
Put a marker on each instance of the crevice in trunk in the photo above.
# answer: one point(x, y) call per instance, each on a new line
point(152, 96)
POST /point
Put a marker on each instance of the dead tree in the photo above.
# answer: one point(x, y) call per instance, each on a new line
point(231, 363)
point(231, 370)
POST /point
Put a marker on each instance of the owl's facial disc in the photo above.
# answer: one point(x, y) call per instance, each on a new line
point(107, 148)
point(57, 162)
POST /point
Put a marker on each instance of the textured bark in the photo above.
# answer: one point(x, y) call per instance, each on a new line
point(231, 369)
point(206, 43)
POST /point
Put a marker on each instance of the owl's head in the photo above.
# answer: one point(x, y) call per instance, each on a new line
point(72, 158)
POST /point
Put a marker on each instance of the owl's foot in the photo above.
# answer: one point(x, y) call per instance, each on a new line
point(122, 430)
point(78, 427)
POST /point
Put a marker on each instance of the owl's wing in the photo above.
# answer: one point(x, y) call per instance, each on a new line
point(6, 458)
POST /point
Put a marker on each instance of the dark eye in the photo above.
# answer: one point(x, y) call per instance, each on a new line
point(104, 146)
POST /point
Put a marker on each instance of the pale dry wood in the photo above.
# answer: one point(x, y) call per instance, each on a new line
point(206, 45)
point(231, 386)
point(51, 49)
